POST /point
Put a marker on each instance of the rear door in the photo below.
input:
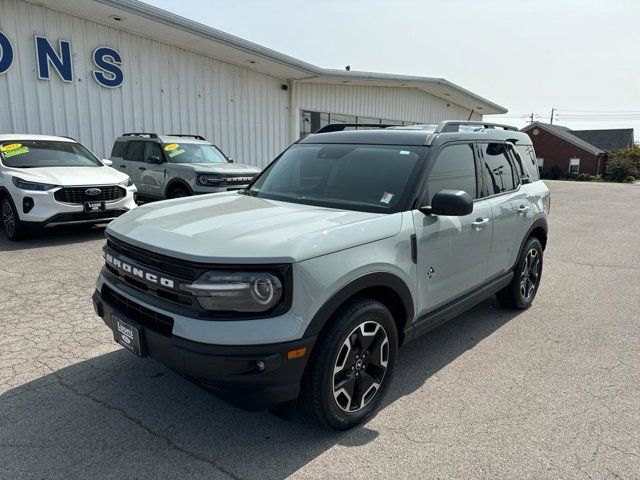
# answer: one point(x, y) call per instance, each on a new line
point(133, 161)
point(452, 251)
point(510, 204)
point(152, 175)
point(117, 153)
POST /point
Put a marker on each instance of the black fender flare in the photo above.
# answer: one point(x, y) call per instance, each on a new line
point(539, 223)
point(378, 279)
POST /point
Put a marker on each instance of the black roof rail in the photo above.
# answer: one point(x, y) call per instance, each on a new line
point(186, 135)
point(140, 134)
point(339, 127)
point(454, 126)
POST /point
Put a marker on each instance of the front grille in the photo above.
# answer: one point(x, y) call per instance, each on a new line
point(108, 193)
point(157, 322)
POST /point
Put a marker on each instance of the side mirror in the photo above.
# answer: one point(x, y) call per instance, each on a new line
point(230, 159)
point(107, 162)
point(154, 159)
point(455, 203)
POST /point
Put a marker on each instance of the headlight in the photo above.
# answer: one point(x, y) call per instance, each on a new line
point(236, 291)
point(126, 183)
point(25, 185)
point(208, 180)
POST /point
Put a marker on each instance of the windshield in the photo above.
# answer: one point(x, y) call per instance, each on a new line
point(46, 153)
point(193, 153)
point(372, 178)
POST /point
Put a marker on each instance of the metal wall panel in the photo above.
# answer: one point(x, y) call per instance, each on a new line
point(406, 104)
point(166, 89)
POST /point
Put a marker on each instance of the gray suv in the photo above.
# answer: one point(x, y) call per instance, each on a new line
point(173, 166)
point(301, 287)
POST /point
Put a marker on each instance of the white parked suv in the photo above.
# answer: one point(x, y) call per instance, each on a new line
point(47, 181)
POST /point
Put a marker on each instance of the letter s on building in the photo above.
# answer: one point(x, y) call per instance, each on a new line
point(6, 53)
point(108, 61)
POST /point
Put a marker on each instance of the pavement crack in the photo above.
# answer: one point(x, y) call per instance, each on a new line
point(168, 441)
point(587, 264)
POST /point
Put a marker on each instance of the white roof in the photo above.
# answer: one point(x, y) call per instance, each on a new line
point(17, 136)
point(145, 20)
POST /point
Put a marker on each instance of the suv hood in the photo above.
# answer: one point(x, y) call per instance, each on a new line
point(70, 176)
point(235, 228)
point(222, 168)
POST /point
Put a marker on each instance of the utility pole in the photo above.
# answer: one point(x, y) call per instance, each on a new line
point(531, 117)
point(552, 111)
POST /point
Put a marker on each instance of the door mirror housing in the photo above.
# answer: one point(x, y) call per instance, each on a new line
point(230, 159)
point(154, 159)
point(107, 162)
point(455, 203)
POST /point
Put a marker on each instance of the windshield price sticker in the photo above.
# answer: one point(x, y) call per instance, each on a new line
point(386, 197)
point(171, 147)
point(16, 149)
point(10, 147)
point(175, 153)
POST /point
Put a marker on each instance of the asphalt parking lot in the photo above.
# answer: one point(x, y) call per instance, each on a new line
point(553, 392)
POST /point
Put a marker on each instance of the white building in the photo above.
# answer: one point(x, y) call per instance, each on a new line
point(93, 69)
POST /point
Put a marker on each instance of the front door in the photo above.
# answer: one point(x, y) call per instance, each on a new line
point(452, 251)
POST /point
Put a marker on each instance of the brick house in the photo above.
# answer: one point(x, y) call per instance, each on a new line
point(570, 152)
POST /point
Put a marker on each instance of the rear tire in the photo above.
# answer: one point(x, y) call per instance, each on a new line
point(351, 367)
point(178, 192)
point(519, 294)
point(13, 227)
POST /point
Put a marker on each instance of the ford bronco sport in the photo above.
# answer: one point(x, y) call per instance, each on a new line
point(347, 246)
point(173, 166)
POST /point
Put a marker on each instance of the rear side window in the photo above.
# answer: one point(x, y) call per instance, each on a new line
point(497, 171)
point(118, 149)
point(135, 151)
point(529, 161)
point(455, 169)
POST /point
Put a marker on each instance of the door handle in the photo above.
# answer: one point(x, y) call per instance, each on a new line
point(523, 208)
point(123, 166)
point(141, 168)
point(480, 223)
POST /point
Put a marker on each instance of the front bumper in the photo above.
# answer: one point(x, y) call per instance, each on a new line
point(253, 377)
point(47, 211)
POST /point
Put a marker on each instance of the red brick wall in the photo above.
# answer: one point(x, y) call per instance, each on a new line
point(557, 151)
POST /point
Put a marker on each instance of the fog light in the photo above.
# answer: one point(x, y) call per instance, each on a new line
point(27, 204)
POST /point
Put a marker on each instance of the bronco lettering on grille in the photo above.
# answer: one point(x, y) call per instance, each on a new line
point(123, 266)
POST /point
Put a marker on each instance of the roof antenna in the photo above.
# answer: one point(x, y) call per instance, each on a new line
point(347, 68)
point(471, 114)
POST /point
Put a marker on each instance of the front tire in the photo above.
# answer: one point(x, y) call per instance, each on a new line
point(13, 227)
point(352, 366)
point(178, 192)
point(519, 294)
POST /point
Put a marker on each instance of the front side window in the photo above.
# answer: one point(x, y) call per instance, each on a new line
point(153, 150)
point(497, 170)
point(193, 153)
point(454, 169)
point(41, 153)
point(375, 178)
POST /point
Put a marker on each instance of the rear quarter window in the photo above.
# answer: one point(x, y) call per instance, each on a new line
point(529, 161)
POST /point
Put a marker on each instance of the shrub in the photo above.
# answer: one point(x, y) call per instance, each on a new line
point(555, 172)
point(631, 179)
point(584, 177)
point(619, 168)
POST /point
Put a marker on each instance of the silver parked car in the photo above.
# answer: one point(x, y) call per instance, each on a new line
point(173, 166)
point(302, 286)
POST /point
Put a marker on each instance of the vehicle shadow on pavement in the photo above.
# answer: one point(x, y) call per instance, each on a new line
point(54, 236)
point(118, 416)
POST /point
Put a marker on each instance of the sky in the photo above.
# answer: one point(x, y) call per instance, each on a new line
point(581, 57)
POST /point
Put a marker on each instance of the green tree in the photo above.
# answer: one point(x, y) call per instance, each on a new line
point(623, 163)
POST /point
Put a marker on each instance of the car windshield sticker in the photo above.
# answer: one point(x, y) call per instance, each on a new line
point(386, 197)
point(171, 147)
point(13, 149)
point(404, 152)
point(175, 153)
